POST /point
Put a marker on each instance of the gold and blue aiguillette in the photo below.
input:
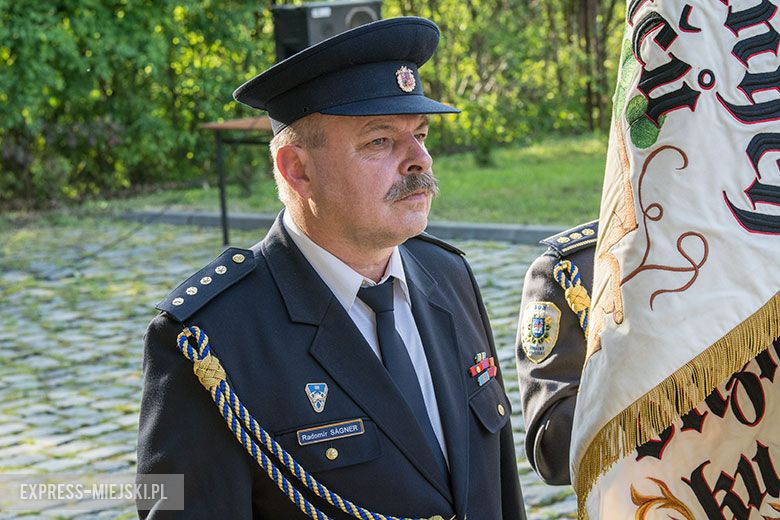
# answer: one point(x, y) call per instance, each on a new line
point(485, 368)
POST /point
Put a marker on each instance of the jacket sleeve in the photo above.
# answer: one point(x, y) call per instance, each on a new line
point(548, 389)
point(182, 432)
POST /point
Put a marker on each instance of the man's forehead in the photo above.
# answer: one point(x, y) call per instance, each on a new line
point(368, 123)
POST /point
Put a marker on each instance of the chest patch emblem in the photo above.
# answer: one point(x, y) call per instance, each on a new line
point(329, 432)
point(317, 394)
point(539, 327)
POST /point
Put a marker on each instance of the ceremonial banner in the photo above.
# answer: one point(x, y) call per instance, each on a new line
point(686, 296)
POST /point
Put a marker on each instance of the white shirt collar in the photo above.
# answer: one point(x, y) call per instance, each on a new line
point(338, 276)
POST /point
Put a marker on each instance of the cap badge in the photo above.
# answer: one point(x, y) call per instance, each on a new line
point(405, 78)
point(317, 393)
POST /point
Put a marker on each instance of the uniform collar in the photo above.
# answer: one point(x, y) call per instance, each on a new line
point(342, 280)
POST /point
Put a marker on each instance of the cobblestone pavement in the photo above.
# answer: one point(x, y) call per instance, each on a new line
point(75, 299)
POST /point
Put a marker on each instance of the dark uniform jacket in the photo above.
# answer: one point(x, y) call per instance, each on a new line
point(276, 327)
point(548, 388)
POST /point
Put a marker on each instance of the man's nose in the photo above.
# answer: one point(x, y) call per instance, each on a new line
point(418, 159)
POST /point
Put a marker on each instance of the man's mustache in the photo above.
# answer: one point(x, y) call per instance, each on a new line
point(412, 183)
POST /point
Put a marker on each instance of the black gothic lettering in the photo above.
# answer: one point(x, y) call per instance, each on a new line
point(752, 385)
point(685, 24)
point(755, 222)
point(755, 113)
point(684, 96)
point(632, 9)
point(763, 193)
point(760, 145)
point(767, 365)
point(767, 469)
point(749, 478)
point(693, 420)
point(704, 494)
point(752, 221)
point(655, 448)
point(731, 500)
point(662, 75)
point(648, 24)
point(758, 44)
point(717, 403)
point(752, 83)
point(756, 15)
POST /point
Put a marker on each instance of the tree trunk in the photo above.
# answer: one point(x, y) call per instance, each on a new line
point(587, 32)
point(608, 15)
point(556, 44)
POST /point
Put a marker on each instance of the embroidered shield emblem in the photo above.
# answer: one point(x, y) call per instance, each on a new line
point(317, 394)
point(405, 78)
point(539, 325)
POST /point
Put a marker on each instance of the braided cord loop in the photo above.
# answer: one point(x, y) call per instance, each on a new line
point(568, 277)
point(246, 429)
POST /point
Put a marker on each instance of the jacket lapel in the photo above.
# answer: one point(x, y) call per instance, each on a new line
point(344, 354)
point(437, 331)
point(341, 350)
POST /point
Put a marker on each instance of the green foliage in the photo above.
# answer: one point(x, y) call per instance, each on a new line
point(516, 69)
point(99, 96)
point(557, 181)
point(103, 95)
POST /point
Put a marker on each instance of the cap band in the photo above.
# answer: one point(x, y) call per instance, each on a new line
point(358, 83)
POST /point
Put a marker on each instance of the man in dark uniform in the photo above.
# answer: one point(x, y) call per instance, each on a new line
point(358, 343)
point(551, 345)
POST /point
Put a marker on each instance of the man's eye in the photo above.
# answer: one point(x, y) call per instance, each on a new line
point(379, 141)
point(421, 137)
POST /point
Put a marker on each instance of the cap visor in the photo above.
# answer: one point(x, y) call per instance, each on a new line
point(391, 106)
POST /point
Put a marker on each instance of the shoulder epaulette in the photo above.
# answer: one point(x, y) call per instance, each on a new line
point(195, 292)
point(439, 242)
point(574, 239)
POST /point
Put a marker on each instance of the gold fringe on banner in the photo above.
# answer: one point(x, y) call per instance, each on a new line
point(675, 396)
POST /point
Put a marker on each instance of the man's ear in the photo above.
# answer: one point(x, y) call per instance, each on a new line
point(291, 161)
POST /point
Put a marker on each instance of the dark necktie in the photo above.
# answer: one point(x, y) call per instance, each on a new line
point(397, 361)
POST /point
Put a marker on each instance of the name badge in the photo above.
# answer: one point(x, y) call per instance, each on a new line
point(329, 432)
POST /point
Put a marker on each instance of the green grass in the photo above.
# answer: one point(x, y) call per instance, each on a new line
point(556, 182)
